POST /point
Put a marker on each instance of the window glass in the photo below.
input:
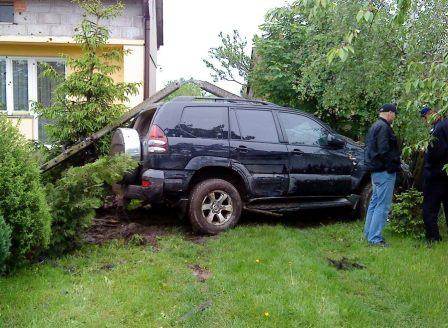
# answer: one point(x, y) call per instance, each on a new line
point(257, 125)
point(234, 128)
point(46, 85)
point(2, 84)
point(301, 130)
point(6, 11)
point(205, 122)
point(20, 84)
point(45, 89)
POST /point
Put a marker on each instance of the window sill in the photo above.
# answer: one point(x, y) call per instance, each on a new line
point(21, 114)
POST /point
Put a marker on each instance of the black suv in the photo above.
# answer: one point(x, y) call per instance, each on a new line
point(215, 157)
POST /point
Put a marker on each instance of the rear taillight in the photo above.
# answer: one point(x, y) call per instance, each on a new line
point(146, 184)
point(157, 142)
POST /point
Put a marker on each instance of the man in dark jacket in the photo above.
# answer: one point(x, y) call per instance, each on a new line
point(435, 178)
point(382, 158)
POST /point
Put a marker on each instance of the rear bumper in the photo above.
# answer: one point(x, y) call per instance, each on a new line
point(151, 194)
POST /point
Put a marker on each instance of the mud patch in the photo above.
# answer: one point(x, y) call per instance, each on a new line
point(109, 227)
point(200, 273)
point(107, 267)
point(345, 264)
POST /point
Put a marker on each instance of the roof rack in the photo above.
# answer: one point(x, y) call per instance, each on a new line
point(217, 99)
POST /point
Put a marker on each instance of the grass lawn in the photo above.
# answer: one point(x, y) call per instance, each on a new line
point(267, 275)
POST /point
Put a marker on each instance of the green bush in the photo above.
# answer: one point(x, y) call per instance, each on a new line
point(5, 243)
point(22, 198)
point(407, 215)
point(75, 197)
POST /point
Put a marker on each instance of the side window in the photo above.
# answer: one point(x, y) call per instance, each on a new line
point(205, 122)
point(257, 125)
point(301, 130)
point(234, 128)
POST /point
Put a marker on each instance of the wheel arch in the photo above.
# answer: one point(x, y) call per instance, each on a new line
point(219, 172)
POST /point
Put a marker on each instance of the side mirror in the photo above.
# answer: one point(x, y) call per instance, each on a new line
point(335, 141)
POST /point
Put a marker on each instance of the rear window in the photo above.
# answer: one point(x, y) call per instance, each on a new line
point(257, 125)
point(205, 122)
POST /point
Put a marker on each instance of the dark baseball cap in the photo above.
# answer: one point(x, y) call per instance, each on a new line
point(425, 110)
point(389, 108)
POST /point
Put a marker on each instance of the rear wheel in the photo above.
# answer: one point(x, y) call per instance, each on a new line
point(215, 205)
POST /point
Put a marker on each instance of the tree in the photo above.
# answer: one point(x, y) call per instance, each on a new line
point(88, 99)
point(292, 66)
point(342, 61)
point(5, 242)
point(230, 61)
point(420, 31)
point(77, 194)
point(23, 204)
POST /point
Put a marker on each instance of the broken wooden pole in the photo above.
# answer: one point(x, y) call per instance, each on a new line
point(215, 90)
point(149, 103)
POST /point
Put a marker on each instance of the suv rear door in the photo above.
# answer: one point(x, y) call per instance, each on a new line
point(255, 146)
point(315, 168)
point(202, 131)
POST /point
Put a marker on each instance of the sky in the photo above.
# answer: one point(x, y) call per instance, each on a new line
point(191, 28)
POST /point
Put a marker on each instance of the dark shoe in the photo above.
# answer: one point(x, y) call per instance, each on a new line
point(380, 244)
point(432, 241)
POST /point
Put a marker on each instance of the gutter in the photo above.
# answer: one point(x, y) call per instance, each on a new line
point(147, 26)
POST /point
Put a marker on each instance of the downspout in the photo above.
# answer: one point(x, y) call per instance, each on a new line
point(147, 66)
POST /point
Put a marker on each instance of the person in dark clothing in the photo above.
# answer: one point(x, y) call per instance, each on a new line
point(435, 178)
point(382, 158)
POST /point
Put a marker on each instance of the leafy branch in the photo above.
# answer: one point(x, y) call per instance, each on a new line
point(229, 61)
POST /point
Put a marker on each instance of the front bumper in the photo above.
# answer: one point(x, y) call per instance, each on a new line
point(151, 194)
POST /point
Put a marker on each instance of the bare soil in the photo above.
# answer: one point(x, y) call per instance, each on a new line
point(141, 226)
point(199, 272)
point(144, 226)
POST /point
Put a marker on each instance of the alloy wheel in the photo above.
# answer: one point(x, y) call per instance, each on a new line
point(217, 207)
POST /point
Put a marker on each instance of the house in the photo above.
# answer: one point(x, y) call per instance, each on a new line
point(33, 32)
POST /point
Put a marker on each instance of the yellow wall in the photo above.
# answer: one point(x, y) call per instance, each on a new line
point(26, 123)
point(50, 50)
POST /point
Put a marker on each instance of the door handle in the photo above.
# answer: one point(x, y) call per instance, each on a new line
point(297, 151)
point(242, 149)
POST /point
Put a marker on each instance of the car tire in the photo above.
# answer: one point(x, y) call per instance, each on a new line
point(215, 205)
point(364, 200)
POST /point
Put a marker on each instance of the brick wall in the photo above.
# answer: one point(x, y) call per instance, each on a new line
point(57, 18)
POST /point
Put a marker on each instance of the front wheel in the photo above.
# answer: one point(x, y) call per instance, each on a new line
point(215, 206)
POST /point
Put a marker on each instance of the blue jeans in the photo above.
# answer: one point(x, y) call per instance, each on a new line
point(383, 184)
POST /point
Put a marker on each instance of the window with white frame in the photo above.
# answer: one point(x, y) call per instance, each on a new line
point(22, 83)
